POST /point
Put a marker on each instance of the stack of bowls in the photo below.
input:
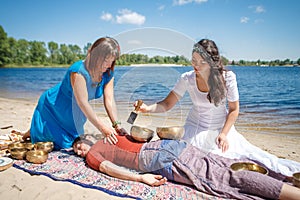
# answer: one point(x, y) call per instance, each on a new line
point(35, 153)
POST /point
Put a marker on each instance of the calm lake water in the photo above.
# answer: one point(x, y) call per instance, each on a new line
point(269, 96)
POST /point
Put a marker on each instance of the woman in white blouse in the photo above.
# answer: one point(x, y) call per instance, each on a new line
point(210, 122)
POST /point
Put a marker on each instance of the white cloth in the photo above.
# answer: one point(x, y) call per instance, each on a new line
point(205, 121)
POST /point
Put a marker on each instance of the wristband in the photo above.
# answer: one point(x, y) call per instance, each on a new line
point(115, 124)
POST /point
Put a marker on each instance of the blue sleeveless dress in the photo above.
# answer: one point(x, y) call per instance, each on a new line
point(57, 117)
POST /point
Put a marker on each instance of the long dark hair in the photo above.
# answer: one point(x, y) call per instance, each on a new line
point(216, 82)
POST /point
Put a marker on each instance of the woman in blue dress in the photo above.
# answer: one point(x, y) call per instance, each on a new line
point(63, 109)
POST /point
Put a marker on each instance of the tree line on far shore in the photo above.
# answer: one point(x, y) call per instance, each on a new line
point(36, 53)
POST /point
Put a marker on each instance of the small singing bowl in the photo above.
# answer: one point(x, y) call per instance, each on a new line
point(172, 132)
point(296, 179)
point(141, 134)
point(18, 153)
point(37, 156)
point(45, 146)
point(16, 145)
point(28, 145)
point(240, 166)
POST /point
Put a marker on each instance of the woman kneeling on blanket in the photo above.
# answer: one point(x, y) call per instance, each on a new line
point(183, 163)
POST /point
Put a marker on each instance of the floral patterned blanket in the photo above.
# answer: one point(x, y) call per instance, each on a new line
point(65, 165)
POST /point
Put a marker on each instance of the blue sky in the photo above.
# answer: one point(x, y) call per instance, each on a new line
point(242, 29)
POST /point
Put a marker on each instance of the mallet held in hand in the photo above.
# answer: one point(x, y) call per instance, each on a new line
point(133, 114)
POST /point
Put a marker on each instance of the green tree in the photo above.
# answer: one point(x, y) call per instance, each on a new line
point(286, 62)
point(38, 53)
point(182, 61)
point(66, 54)
point(4, 48)
point(242, 62)
point(12, 51)
point(76, 52)
point(224, 60)
point(158, 59)
point(23, 56)
point(54, 53)
point(86, 48)
point(141, 59)
point(258, 62)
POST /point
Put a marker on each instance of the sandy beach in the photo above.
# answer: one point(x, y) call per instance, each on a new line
point(17, 184)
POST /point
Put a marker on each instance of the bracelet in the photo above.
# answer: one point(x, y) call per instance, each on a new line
point(115, 124)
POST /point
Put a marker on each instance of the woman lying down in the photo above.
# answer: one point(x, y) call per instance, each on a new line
point(178, 161)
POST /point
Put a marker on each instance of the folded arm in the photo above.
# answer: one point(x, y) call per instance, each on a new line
point(113, 170)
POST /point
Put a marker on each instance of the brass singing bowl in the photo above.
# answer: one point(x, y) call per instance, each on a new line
point(16, 145)
point(240, 166)
point(37, 156)
point(172, 132)
point(296, 179)
point(45, 146)
point(141, 134)
point(28, 145)
point(18, 153)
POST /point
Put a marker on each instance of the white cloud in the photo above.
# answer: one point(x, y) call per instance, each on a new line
point(106, 16)
point(200, 1)
point(244, 20)
point(258, 9)
point(183, 2)
point(129, 17)
point(162, 7)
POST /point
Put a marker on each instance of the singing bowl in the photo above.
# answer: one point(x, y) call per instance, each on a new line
point(5, 163)
point(16, 145)
point(296, 179)
point(141, 134)
point(18, 153)
point(172, 132)
point(240, 166)
point(45, 146)
point(37, 156)
point(28, 145)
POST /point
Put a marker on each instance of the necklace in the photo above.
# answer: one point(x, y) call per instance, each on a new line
point(96, 84)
